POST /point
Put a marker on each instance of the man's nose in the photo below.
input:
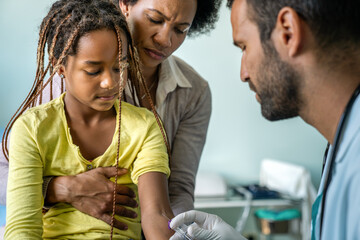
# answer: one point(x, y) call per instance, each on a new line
point(244, 74)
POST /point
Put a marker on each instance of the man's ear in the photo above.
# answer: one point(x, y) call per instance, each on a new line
point(288, 34)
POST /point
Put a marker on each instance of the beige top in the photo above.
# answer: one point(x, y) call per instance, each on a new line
point(184, 104)
point(183, 101)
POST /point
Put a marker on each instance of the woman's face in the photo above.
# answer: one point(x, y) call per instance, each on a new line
point(158, 27)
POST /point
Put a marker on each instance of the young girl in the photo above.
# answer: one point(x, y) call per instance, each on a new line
point(90, 47)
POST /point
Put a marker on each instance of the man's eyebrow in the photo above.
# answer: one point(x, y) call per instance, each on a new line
point(167, 18)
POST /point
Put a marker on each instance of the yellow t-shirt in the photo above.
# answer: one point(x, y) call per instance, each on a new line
point(41, 145)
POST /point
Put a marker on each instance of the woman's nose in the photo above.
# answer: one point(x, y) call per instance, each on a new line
point(163, 37)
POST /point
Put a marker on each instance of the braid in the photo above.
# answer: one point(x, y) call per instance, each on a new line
point(121, 89)
point(40, 66)
point(148, 96)
point(39, 73)
point(41, 52)
point(48, 25)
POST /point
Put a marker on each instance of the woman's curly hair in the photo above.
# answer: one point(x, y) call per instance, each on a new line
point(207, 14)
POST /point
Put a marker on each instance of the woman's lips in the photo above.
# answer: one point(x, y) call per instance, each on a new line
point(155, 54)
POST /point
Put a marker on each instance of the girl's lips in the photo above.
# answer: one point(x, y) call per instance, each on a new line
point(154, 54)
point(107, 98)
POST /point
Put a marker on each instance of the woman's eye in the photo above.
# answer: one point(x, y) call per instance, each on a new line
point(178, 31)
point(153, 20)
point(117, 70)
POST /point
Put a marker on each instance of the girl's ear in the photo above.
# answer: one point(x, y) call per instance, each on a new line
point(61, 70)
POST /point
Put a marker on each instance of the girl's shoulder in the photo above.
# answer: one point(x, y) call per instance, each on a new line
point(134, 113)
point(44, 112)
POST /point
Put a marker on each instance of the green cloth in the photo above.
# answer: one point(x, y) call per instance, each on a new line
point(276, 215)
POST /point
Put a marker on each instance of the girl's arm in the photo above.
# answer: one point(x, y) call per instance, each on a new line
point(24, 195)
point(154, 202)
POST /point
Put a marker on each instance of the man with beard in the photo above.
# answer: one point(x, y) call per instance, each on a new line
point(301, 58)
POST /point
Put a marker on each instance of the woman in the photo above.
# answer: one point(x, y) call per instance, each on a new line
point(182, 99)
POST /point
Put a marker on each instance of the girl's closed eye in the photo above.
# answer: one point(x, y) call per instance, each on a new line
point(92, 73)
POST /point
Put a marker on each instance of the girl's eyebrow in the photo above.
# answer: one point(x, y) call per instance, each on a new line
point(89, 62)
point(93, 62)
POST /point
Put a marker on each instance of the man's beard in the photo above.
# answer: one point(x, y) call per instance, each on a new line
point(278, 86)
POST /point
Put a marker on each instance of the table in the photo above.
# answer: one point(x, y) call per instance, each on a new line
point(240, 202)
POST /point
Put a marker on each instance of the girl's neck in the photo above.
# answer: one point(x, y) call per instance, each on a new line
point(81, 114)
point(92, 131)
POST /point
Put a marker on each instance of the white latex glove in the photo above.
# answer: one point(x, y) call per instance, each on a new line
point(204, 226)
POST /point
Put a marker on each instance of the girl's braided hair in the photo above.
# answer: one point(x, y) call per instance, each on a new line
point(66, 22)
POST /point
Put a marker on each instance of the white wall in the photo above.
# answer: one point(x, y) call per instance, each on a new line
point(238, 138)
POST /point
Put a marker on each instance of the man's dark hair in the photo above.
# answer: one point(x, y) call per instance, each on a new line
point(207, 14)
point(334, 23)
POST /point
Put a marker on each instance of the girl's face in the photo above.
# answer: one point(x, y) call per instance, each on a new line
point(92, 75)
point(158, 27)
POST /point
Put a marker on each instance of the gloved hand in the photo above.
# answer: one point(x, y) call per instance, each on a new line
point(204, 226)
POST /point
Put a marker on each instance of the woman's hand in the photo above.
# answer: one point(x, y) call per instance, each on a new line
point(91, 192)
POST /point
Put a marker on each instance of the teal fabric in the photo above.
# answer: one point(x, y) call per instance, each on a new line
point(276, 215)
point(314, 213)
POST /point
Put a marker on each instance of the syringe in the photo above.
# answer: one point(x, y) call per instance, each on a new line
point(181, 230)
